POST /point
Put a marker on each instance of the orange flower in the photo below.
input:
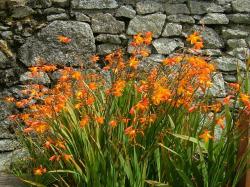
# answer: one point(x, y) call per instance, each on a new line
point(67, 157)
point(22, 103)
point(220, 122)
point(226, 100)
point(49, 68)
point(132, 111)
point(138, 39)
point(169, 61)
point(198, 45)
point(206, 136)
point(99, 120)
point(113, 123)
point(118, 87)
point(160, 94)
point(144, 52)
point(130, 132)
point(10, 99)
point(94, 58)
point(24, 116)
point(48, 144)
point(40, 170)
point(60, 144)
point(84, 121)
point(80, 94)
point(90, 100)
point(125, 120)
point(235, 86)
point(192, 108)
point(143, 104)
point(76, 75)
point(28, 130)
point(194, 38)
point(78, 105)
point(109, 57)
point(92, 86)
point(55, 158)
point(64, 39)
point(34, 69)
point(244, 98)
point(133, 62)
point(148, 38)
point(41, 127)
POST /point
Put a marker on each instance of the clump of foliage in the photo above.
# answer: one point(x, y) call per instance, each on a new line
point(145, 125)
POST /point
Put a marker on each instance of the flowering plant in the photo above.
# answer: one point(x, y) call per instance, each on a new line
point(133, 123)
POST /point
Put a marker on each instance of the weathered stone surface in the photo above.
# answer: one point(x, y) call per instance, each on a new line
point(218, 87)
point(53, 10)
point(153, 23)
point(3, 4)
point(93, 4)
point(6, 111)
point(241, 5)
point(125, 11)
point(106, 23)
point(172, 29)
point(39, 3)
point(154, 58)
point(62, 16)
point(109, 38)
point(229, 64)
point(201, 7)
point(215, 8)
point(38, 78)
point(214, 19)
point(239, 18)
point(9, 77)
point(148, 7)
point(176, 9)
point(81, 17)
point(4, 61)
point(7, 35)
point(22, 12)
point(248, 41)
point(223, 2)
point(4, 28)
point(5, 133)
point(104, 49)
point(211, 39)
point(211, 52)
point(233, 33)
point(230, 77)
point(150, 62)
point(15, 3)
point(8, 145)
point(166, 46)
point(7, 158)
point(236, 43)
point(180, 18)
point(61, 3)
point(46, 45)
point(240, 53)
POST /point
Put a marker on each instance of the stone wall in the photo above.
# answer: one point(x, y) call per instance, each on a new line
point(29, 31)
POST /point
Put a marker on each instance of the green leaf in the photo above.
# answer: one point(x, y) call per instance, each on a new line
point(191, 139)
point(157, 184)
point(171, 122)
point(185, 178)
point(32, 183)
point(172, 151)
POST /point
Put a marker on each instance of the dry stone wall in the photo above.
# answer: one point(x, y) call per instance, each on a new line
point(29, 30)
